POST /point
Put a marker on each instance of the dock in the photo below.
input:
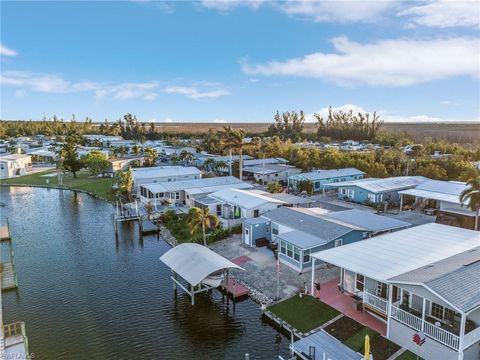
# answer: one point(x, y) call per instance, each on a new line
point(235, 289)
point(148, 227)
point(4, 233)
point(13, 338)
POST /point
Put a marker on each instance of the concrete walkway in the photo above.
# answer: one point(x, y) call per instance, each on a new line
point(261, 269)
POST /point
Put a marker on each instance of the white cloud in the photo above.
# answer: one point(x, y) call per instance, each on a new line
point(337, 11)
point(445, 13)
point(194, 93)
point(5, 51)
point(163, 6)
point(324, 111)
point(397, 62)
point(168, 120)
point(125, 91)
point(220, 121)
point(227, 5)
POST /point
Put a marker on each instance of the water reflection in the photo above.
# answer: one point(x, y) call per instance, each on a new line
point(86, 295)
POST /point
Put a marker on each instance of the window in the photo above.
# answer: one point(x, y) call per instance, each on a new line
point(283, 248)
point(338, 242)
point(289, 250)
point(177, 196)
point(219, 209)
point(256, 213)
point(317, 184)
point(246, 231)
point(306, 256)
point(267, 229)
point(343, 191)
point(372, 197)
point(441, 312)
point(351, 193)
point(360, 282)
point(364, 235)
point(296, 253)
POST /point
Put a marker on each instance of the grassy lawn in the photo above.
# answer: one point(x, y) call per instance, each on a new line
point(352, 334)
point(304, 314)
point(408, 355)
point(98, 186)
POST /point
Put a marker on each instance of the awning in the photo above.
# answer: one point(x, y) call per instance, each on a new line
point(431, 195)
point(194, 262)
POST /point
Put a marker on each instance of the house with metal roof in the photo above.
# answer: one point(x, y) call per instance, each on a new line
point(373, 190)
point(160, 174)
point(443, 197)
point(267, 173)
point(12, 165)
point(424, 282)
point(298, 232)
point(322, 178)
point(184, 192)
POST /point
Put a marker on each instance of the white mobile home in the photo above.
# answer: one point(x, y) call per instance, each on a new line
point(14, 165)
point(161, 174)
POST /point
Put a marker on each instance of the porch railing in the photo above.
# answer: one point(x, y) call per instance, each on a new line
point(435, 332)
point(375, 301)
point(471, 338)
point(443, 336)
point(406, 318)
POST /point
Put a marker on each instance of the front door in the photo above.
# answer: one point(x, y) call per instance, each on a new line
point(247, 236)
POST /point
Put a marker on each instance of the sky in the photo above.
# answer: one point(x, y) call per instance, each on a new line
point(239, 61)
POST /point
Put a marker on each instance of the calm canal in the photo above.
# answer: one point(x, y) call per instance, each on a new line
point(84, 295)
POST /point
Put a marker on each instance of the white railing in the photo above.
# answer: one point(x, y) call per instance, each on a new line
point(443, 336)
point(435, 332)
point(376, 302)
point(406, 318)
point(471, 338)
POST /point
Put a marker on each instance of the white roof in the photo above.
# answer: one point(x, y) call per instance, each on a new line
point(215, 183)
point(385, 256)
point(244, 198)
point(194, 262)
point(332, 173)
point(211, 189)
point(13, 157)
point(448, 191)
point(162, 171)
point(381, 185)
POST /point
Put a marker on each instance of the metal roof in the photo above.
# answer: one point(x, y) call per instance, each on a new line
point(329, 174)
point(204, 183)
point(326, 347)
point(367, 220)
point(244, 198)
point(288, 198)
point(456, 279)
point(384, 185)
point(194, 262)
point(269, 169)
point(254, 162)
point(386, 256)
point(310, 224)
point(162, 171)
point(448, 191)
point(302, 239)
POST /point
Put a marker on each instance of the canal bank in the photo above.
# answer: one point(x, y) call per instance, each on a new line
point(86, 295)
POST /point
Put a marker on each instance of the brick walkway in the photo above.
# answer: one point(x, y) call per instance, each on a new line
point(330, 295)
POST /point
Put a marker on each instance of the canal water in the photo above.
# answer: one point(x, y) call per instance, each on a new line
point(84, 295)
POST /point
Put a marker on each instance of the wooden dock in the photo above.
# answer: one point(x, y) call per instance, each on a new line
point(9, 278)
point(148, 227)
point(235, 289)
point(4, 233)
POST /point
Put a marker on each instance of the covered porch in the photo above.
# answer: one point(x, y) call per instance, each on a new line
point(438, 321)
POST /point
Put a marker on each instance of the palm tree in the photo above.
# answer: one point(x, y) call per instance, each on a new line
point(233, 140)
point(219, 165)
point(471, 196)
point(186, 156)
point(135, 149)
point(209, 164)
point(201, 219)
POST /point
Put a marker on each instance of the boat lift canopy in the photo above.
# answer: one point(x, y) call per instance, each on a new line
point(194, 263)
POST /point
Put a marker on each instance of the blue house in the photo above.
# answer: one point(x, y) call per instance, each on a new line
point(322, 178)
point(298, 232)
point(375, 191)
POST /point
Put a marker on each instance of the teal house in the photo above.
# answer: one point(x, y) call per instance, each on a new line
point(298, 232)
point(322, 179)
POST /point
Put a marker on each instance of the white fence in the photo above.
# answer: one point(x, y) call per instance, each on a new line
point(376, 302)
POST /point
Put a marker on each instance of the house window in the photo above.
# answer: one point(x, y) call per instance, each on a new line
point(296, 253)
point(255, 213)
point(283, 248)
point(306, 256)
point(267, 229)
point(289, 250)
point(360, 282)
point(351, 193)
point(246, 231)
point(372, 197)
point(441, 312)
point(338, 242)
point(343, 191)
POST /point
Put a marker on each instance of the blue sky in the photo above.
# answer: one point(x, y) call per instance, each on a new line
point(239, 60)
